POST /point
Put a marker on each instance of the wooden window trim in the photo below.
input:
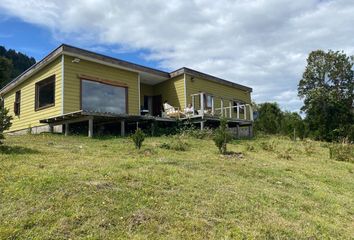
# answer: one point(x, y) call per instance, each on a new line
point(107, 82)
point(43, 82)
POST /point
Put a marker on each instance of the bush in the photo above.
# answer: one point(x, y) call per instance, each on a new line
point(5, 122)
point(138, 138)
point(177, 143)
point(341, 152)
point(222, 136)
point(268, 146)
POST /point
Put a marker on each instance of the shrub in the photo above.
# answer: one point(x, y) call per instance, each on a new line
point(5, 122)
point(342, 152)
point(268, 146)
point(249, 147)
point(177, 143)
point(222, 136)
point(138, 138)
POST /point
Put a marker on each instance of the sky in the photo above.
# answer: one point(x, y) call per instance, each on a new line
point(262, 44)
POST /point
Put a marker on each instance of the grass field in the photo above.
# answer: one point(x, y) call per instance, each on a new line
point(56, 187)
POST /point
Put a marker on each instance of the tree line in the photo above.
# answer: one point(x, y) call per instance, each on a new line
point(327, 90)
point(12, 64)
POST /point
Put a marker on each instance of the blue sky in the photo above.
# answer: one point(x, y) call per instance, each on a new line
point(262, 44)
point(36, 41)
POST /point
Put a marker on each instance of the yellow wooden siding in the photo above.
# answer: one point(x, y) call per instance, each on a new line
point(172, 90)
point(145, 90)
point(72, 82)
point(218, 90)
point(28, 116)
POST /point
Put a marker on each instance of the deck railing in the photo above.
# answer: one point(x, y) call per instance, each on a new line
point(227, 108)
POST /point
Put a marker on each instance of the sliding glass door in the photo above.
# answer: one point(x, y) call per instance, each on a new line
point(102, 97)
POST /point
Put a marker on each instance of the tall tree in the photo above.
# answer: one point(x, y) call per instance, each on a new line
point(269, 118)
point(5, 71)
point(327, 89)
point(18, 61)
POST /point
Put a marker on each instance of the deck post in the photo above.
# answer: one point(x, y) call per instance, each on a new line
point(238, 131)
point(152, 128)
point(51, 128)
point(122, 128)
point(201, 125)
point(193, 101)
point(250, 131)
point(222, 107)
point(238, 111)
point(230, 105)
point(251, 113)
point(244, 112)
point(202, 103)
point(66, 129)
point(212, 106)
point(90, 127)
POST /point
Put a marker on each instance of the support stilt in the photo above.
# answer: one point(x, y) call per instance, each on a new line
point(90, 127)
point(66, 129)
point(122, 128)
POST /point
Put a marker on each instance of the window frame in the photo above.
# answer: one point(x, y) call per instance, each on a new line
point(106, 82)
point(39, 84)
point(205, 96)
point(17, 103)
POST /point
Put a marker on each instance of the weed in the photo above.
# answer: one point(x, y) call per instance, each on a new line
point(176, 143)
point(268, 146)
point(138, 138)
point(342, 152)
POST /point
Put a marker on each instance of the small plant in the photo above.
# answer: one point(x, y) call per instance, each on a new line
point(177, 143)
point(268, 146)
point(342, 152)
point(29, 129)
point(5, 122)
point(222, 136)
point(138, 138)
point(249, 147)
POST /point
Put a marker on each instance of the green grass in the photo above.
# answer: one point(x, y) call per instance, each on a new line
point(56, 187)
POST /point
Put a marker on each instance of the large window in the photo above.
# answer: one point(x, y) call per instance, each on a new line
point(17, 103)
point(45, 93)
point(104, 98)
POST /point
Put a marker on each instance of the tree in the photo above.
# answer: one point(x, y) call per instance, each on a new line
point(269, 118)
point(327, 89)
point(222, 136)
point(5, 121)
point(292, 122)
point(5, 71)
point(14, 64)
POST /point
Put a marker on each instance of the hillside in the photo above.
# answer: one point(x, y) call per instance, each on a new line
point(57, 187)
point(12, 64)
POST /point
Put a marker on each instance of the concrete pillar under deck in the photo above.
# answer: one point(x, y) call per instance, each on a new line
point(66, 129)
point(201, 125)
point(90, 127)
point(122, 128)
point(238, 131)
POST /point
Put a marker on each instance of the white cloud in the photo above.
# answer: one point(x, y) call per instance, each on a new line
point(262, 44)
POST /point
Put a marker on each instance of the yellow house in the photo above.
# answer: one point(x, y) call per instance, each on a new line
point(73, 86)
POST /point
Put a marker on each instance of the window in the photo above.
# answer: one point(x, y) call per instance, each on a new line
point(102, 97)
point(17, 103)
point(45, 93)
point(241, 108)
point(208, 100)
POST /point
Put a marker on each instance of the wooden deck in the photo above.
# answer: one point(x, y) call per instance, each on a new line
point(123, 119)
